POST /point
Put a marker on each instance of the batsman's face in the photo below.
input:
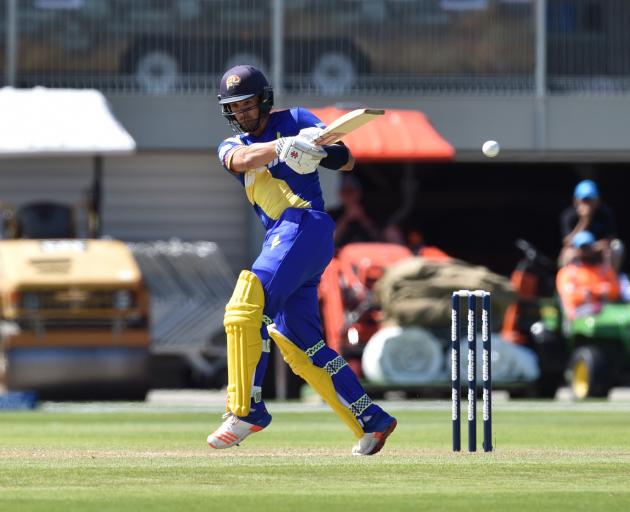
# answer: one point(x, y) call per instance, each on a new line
point(246, 113)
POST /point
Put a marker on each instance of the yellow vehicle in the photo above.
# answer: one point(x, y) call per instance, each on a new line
point(74, 318)
point(73, 311)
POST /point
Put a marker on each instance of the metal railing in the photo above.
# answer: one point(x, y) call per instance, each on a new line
point(321, 47)
point(189, 284)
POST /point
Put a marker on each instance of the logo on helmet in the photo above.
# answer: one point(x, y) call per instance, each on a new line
point(232, 81)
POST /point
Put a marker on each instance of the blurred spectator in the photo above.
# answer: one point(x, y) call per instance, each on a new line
point(587, 282)
point(353, 223)
point(589, 213)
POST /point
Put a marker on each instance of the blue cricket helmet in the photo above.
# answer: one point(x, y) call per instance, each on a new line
point(240, 83)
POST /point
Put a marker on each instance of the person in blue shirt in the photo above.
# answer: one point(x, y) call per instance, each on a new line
point(589, 213)
point(275, 157)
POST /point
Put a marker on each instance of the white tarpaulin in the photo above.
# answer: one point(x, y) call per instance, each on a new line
point(49, 122)
point(407, 356)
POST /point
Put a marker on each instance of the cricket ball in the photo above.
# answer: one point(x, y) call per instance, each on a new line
point(490, 148)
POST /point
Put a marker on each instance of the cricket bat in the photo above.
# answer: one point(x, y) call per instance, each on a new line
point(347, 123)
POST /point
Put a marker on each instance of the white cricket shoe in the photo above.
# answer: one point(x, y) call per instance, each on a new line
point(372, 442)
point(234, 429)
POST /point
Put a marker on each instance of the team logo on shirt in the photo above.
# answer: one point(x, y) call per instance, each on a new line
point(232, 81)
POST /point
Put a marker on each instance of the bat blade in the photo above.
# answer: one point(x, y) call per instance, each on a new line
point(347, 123)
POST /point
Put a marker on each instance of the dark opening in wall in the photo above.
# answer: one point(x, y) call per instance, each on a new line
point(476, 211)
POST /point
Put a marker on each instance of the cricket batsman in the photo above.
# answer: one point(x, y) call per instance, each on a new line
point(274, 158)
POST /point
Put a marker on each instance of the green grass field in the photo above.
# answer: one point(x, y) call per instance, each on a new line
point(548, 457)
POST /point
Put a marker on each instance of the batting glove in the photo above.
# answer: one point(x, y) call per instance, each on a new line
point(299, 153)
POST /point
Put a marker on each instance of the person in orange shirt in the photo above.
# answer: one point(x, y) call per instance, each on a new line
point(586, 283)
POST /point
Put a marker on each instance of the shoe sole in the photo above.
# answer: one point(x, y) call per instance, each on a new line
point(383, 437)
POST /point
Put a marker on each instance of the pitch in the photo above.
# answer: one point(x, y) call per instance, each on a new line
point(549, 457)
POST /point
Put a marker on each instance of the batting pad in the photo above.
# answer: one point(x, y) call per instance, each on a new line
point(242, 321)
point(318, 378)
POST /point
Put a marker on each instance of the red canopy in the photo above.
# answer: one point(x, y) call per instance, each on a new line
point(398, 136)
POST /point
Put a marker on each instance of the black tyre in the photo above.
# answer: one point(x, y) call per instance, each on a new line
point(334, 72)
point(157, 71)
point(157, 68)
point(553, 357)
point(590, 373)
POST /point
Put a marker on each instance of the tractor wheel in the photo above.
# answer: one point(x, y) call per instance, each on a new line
point(589, 373)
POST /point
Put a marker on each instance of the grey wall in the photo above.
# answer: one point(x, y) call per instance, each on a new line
point(577, 128)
